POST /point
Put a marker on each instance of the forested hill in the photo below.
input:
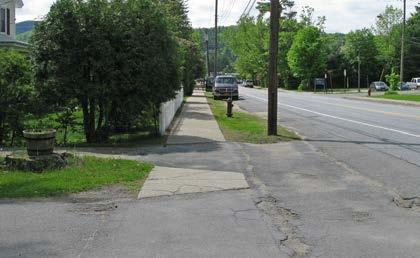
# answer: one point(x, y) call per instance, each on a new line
point(24, 30)
point(225, 56)
point(25, 26)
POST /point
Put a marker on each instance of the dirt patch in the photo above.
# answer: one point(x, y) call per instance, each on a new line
point(104, 193)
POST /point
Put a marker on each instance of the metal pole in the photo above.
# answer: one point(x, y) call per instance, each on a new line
point(272, 67)
point(215, 39)
point(403, 43)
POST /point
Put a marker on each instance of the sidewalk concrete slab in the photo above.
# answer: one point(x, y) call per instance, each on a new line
point(164, 181)
point(196, 124)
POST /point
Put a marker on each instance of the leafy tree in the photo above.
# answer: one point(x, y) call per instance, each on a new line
point(289, 28)
point(116, 58)
point(412, 54)
point(307, 57)
point(249, 43)
point(361, 44)
point(307, 18)
point(190, 57)
point(388, 34)
point(16, 93)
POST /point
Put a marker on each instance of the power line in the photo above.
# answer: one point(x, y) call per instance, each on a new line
point(246, 8)
point(253, 3)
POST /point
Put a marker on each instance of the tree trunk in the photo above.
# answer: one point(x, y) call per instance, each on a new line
point(1, 129)
point(65, 135)
point(156, 119)
point(92, 129)
point(12, 141)
point(101, 116)
point(85, 108)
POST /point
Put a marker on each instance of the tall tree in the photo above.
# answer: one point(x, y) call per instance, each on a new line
point(190, 57)
point(116, 58)
point(249, 43)
point(388, 33)
point(361, 44)
point(307, 56)
point(412, 53)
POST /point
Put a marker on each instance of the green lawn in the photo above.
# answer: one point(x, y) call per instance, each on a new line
point(87, 173)
point(400, 97)
point(245, 127)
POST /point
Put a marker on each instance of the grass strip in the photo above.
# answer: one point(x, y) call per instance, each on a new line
point(245, 127)
point(88, 173)
point(401, 97)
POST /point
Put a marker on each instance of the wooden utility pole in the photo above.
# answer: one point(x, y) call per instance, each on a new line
point(403, 42)
point(272, 67)
point(215, 38)
point(358, 73)
point(206, 37)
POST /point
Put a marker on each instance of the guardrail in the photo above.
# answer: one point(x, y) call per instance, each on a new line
point(168, 111)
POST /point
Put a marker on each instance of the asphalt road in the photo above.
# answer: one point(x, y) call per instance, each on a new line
point(381, 141)
point(335, 192)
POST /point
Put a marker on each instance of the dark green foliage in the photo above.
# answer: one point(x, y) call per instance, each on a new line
point(117, 59)
point(16, 93)
point(190, 57)
point(307, 56)
point(361, 44)
point(412, 53)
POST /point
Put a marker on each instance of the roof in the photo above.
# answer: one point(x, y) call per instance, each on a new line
point(19, 3)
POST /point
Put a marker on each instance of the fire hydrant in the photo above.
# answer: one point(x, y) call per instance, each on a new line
point(369, 92)
point(229, 107)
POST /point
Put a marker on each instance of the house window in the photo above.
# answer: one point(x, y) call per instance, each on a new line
point(8, 21)
point(3, 20)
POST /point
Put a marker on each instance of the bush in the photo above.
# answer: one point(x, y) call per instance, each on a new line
point(303, 85)
point(16, 93)
point(393, 79)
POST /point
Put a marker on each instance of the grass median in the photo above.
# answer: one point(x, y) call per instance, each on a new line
point(401, 97)
point(83, 174)
point(246, 127)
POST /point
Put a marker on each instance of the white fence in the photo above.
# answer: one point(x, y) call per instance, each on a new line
point(168, 111)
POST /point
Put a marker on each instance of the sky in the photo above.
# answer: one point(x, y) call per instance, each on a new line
point(342, 15)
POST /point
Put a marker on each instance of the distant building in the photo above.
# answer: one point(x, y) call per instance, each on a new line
point(8, 25)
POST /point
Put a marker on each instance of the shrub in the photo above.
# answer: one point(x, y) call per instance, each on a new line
point(393, 79)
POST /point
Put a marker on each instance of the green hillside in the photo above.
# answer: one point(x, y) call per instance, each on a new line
point(25, 37)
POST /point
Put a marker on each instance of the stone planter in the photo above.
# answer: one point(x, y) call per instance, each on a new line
point(39, 142)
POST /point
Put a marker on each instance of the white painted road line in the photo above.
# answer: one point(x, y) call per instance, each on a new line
point(339, 118)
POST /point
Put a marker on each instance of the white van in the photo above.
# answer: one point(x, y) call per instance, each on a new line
point(416, 81)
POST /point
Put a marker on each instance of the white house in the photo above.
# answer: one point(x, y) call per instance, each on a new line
point(8, 24)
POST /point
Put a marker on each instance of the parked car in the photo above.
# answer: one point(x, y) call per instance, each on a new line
point(249, 83)
point(209, 83)
point(404, 86)
point(225, 87)
point(378, 86)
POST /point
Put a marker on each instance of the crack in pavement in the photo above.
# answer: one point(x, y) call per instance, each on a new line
point(284, 232)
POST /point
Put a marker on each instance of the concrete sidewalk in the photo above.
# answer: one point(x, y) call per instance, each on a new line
point(164, 181)
point(196, 124)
